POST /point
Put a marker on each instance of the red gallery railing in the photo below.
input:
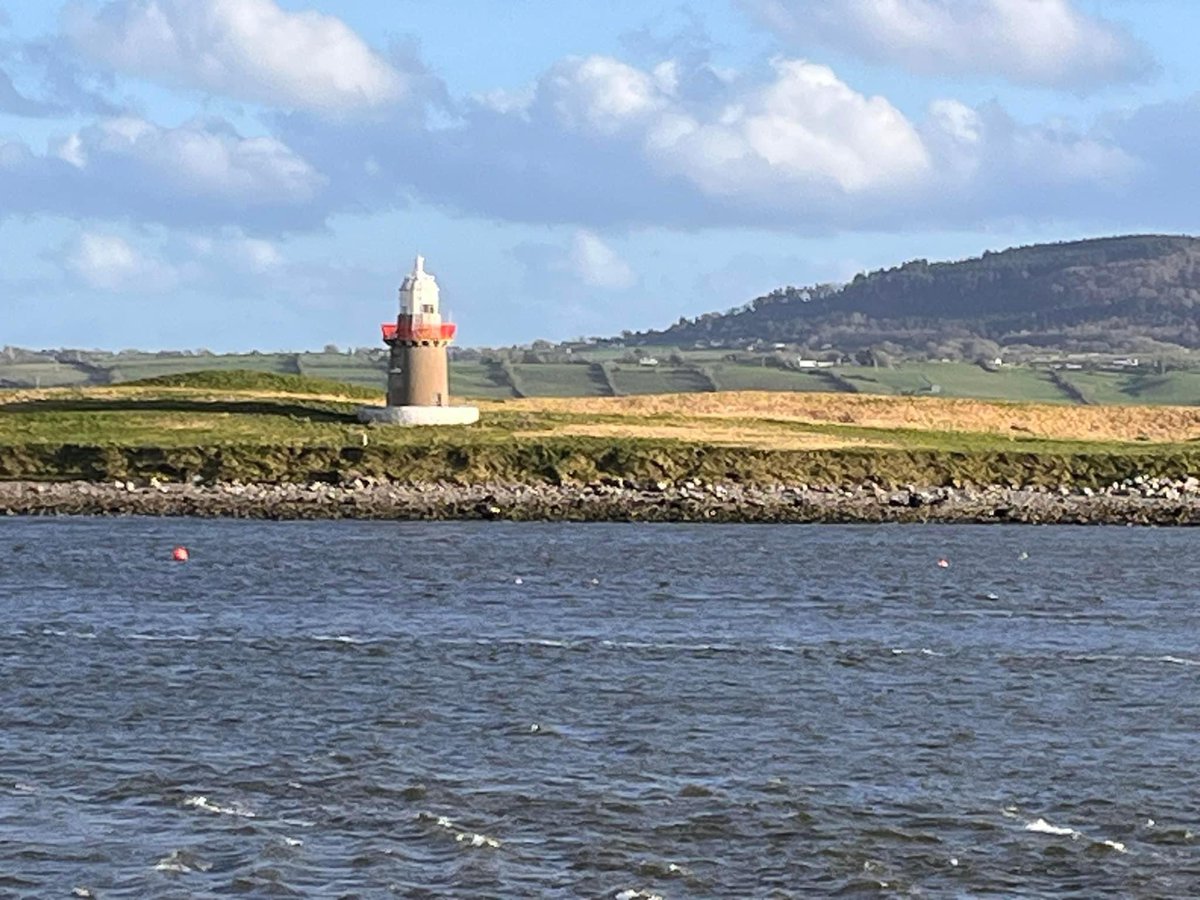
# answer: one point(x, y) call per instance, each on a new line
point(393, 331)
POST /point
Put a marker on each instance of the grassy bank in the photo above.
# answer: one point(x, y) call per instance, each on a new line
point(227, 426)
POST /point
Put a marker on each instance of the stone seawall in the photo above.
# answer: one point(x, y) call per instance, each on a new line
point(1136, 502)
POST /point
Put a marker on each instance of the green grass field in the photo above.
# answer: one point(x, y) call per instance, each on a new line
point(557, 380)
point(1016, 383)
point(1129, 388)
point(663, 379)
point(473, 379)
point(732, 377)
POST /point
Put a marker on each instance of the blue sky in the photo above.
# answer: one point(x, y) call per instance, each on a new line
point(238, 174)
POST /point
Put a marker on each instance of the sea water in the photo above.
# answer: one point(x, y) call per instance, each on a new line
point(548, 710)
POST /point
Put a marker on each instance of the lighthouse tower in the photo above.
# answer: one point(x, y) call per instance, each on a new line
point(418, 374)
point(418, 388)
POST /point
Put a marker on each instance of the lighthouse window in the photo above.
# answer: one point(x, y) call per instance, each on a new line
point(427, 308)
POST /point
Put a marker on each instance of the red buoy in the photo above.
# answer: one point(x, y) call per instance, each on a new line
point(180, 554)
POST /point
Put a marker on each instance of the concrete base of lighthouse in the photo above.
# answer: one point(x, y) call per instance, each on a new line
point(418, 415)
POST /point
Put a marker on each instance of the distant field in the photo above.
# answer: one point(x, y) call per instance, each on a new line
point(761, 378)
point(1172, 389)
point(474, 380)
point(477, 380)
point(557, 380)
point(958, 380)
point(634, 379)
point(43, 374)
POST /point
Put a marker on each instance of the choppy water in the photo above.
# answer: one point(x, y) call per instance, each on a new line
point(493, 710)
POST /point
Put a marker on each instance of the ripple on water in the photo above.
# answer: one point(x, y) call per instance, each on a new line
point(721, 712)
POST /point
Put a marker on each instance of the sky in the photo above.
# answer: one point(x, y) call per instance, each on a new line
point(259, 174)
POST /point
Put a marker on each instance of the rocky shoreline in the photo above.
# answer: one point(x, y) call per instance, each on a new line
point(1137, 501)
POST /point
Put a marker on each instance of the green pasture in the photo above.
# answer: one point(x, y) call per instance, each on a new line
point(474, 379)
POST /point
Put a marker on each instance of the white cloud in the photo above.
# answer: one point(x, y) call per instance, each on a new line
point(109, 263)
point(581, 270)
point(72, 151)
point(205, 161)
point(602, 94)
point(1039, 42)
point(597, 265)
point(237, 252)
point(602, 145)
point(804, 129)
point(200, 173)
point(258, 255)
point(225, 261)
point(248, 49)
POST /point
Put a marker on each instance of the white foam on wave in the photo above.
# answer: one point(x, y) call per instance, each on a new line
point(477, 840)
point(179, 863)
point(1179, 661)
point(632, 894)
point(201, 802)
point(471, 838)
point(923, 651)
point(166, 638)
point(669, 645)
point(1041, 826)
point(337, 639)
point(55, 632)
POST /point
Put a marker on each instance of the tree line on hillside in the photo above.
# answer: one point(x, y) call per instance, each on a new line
point(1115, 294)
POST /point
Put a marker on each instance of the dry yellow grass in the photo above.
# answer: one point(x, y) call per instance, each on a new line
point(1097, 423)
point(709, 432)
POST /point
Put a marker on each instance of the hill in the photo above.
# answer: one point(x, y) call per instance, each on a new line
point(1122, 294)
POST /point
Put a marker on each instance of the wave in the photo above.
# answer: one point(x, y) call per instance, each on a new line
point(180, 862)
point(1041, 826)
point(1120, 658)
point(201, 802)
point(471, 838)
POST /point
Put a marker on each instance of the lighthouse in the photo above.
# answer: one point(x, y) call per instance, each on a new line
point(418, 386)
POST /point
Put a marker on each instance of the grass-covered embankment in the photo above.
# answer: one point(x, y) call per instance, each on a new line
point(280, 429)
